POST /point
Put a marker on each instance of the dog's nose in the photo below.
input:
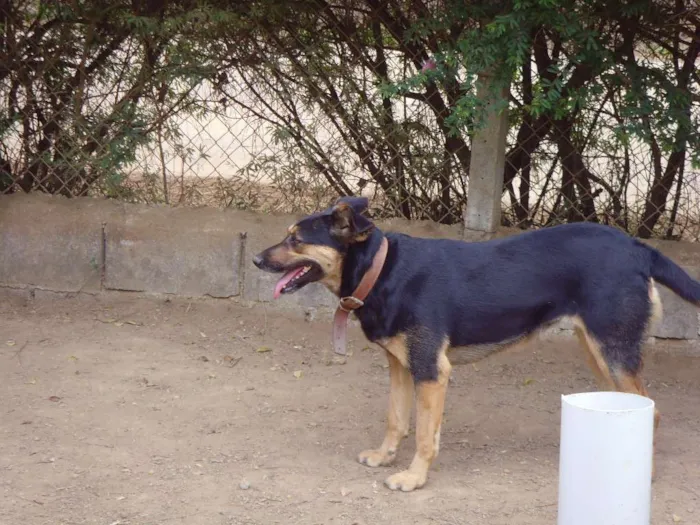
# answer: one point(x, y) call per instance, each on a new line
point(258, 260)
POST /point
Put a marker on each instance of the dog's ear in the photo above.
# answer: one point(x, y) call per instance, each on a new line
point(359, 204)
point(348, 225)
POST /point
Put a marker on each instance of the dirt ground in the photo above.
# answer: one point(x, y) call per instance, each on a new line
point(124, 410)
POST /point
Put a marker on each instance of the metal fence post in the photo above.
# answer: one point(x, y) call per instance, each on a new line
point(485, 185)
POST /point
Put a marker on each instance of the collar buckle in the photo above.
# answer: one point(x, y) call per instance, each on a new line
point(350, 303)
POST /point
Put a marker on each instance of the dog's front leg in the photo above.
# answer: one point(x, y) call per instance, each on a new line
point(430, 404)
point(399, 416)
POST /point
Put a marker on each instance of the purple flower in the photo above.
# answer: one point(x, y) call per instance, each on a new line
point(428, 65)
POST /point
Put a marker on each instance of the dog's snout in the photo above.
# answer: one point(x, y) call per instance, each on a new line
point(258, 260)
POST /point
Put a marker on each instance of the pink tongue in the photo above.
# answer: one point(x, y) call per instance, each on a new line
point(285, 279)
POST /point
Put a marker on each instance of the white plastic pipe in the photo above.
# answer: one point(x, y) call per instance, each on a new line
point(605, 459)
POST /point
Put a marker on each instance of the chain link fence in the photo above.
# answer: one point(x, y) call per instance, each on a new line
point(631, 187)
point(277, 111)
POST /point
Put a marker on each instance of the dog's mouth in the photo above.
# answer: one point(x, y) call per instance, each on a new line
point(296, 278)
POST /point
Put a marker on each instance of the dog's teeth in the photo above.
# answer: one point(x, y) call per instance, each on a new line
point(301, 273)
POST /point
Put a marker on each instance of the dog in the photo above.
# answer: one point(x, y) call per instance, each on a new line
point(435, 298)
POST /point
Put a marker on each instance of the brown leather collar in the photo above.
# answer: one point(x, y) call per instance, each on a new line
point(353, 302)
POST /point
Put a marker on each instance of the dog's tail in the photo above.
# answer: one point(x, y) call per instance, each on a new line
point(673, 277)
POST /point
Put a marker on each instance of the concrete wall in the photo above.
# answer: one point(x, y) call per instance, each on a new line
point(92, 245)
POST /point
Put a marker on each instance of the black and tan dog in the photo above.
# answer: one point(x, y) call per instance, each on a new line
point(433, 297)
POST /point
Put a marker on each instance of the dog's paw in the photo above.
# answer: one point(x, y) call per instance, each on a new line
point(406, 481)
point(376, 457)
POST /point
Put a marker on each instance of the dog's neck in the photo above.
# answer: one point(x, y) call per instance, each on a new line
point(357, 261)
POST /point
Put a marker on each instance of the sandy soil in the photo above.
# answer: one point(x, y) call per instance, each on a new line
point(123, 410)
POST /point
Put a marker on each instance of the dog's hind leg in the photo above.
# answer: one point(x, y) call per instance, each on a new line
point(399, 415)
point(613, 338)
point(611, 372)
point(594, 356)
point(430, 369)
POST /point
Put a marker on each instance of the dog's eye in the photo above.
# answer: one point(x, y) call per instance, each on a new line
point(293, 240)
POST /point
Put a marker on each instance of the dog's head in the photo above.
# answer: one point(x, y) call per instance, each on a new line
point(314, 248)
